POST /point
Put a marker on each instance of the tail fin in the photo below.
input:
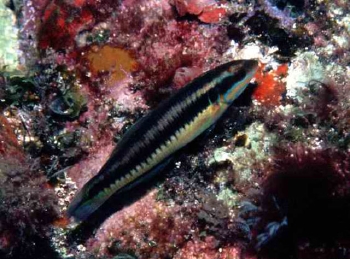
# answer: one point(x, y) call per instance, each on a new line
point(82, 206)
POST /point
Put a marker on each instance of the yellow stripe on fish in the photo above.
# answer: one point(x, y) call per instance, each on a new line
point(159, 134)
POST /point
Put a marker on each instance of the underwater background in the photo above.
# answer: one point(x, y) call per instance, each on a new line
point(271, 180)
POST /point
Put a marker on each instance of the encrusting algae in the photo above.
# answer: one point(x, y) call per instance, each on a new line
point(117, 62)
point(270, 180)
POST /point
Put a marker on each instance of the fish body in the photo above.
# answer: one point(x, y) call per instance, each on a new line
point(154, 138)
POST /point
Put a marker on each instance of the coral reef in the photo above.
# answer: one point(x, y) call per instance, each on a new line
point(270, 88)
point(271, 180)
point(305, 204)
point(28, 204)
point(207, 11)
point(162, 231)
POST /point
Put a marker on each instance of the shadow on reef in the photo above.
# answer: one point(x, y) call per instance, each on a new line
point(37, 248)
point(306, 205)
point(268, 31)
point(86, 228)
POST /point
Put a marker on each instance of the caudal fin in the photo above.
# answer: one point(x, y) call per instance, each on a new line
point(82, 207)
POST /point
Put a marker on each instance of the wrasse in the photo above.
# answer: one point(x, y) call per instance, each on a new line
point(150, 142)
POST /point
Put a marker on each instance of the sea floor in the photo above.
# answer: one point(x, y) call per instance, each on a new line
point(271, 180)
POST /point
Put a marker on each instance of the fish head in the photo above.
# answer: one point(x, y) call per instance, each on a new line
point(234, 78)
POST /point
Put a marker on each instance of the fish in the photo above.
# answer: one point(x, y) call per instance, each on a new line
point(149, 144)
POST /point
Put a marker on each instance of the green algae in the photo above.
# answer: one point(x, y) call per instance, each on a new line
point(228, 197)
point(20, 90)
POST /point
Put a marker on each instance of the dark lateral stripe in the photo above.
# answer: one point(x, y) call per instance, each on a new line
point(161, 132)
point(175, 113)
point(186, 112)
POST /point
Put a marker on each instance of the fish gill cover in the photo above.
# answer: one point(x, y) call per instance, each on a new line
point(270, 180)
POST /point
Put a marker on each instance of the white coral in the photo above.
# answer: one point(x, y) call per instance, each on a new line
point(304, 68)
point(9, 46)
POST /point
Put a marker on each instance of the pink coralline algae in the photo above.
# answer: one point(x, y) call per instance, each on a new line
point(150, 228)
point(192, 6)
point(61, 22)
point(148, 30)
point(270, 181)
point(9, 146)
point(184, 75)
point(155, 229)
point(208, 11)
point(28, 205)
point(206, 249)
